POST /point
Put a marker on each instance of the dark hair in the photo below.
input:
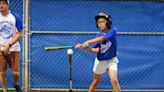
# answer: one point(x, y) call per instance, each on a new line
point(7, 1)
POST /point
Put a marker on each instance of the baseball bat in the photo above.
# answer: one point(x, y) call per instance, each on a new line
point(57, 48)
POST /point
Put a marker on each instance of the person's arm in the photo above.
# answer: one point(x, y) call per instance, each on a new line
point(93, 50)
point(105, 37)
point(98, 39)
point(14, 40)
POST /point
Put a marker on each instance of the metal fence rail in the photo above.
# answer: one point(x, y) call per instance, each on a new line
point(120, 33)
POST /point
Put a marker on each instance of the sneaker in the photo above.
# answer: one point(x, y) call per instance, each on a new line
point(17, 87)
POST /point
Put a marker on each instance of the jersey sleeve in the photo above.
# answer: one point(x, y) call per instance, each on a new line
point(111, 33)
point(19, 24)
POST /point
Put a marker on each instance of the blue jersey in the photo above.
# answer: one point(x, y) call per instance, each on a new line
point(108, 48)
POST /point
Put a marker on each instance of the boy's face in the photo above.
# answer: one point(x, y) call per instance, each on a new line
point(101, 22)
point(3, 6)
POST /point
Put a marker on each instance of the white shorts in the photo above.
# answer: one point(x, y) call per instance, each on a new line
point(101, 67)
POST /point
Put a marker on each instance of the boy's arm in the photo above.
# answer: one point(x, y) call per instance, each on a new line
point(14, 40)
point(98, 39)
point(93, 50)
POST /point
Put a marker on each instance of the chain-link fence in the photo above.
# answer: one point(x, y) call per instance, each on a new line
point(140, 43)
point(141, 58)
point(68, 22)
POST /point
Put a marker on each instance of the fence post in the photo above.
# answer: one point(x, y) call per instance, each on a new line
point(26, 50)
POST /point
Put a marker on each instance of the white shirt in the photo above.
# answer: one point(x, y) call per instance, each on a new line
point(9, 26)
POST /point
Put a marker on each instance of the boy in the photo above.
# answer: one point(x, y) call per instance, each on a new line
point(106, 49)
point(10, 32)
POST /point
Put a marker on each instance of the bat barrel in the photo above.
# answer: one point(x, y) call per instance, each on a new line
point(57, 47)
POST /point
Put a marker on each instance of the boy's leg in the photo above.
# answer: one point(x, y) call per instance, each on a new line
point(15, 65)
point(112, 71)
point(95, 82)
point(98, 69)
point(3, 66)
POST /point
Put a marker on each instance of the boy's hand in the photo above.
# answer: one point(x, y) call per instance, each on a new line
point(4, 48)
point(85, 45)
point(78, 46)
